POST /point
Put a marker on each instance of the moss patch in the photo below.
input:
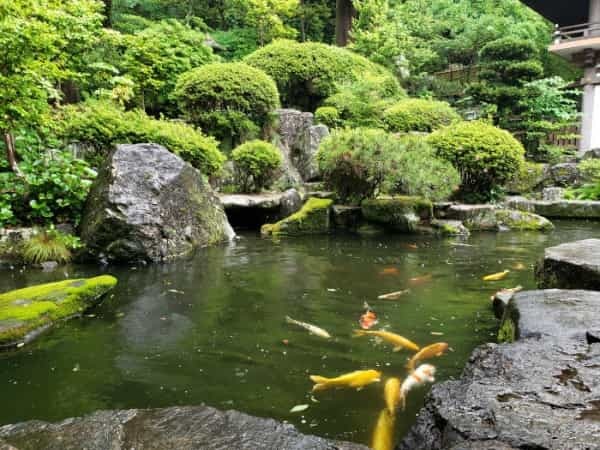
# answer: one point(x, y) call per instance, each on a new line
point(312, 218)
point(522, 221)
point(401, 213)
point(26, 310)
point(507, 331)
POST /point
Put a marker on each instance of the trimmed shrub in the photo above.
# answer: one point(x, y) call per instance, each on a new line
point(227, 99)
point(256, 163)
point(419, 115)
point(485, 156)
point(307, 73)
point(103, 124)
point(328, 115)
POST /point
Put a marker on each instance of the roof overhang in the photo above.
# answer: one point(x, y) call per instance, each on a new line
point(562, 12)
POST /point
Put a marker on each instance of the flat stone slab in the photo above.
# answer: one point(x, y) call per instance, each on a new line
point(570, 266)
point(183, 428)
point(268, 200)
point(559, 209)
point(539, 392)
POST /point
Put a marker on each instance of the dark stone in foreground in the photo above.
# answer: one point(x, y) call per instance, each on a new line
point(570, 266)
point(540, 392)
point(147, 204)
point(181, 428)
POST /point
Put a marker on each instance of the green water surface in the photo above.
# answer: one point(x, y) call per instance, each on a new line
point(211, 329)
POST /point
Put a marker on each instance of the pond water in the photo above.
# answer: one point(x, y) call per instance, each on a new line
point(211, 329)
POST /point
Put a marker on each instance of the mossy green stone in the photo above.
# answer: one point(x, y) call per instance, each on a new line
point(312, 218)
point(523, 221)
point(25, 311)
point(397, 212)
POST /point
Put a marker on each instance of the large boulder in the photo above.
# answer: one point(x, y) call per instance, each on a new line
point(189, 428)
point(539, 392)
point(313, 218)
point(574, 265)
point(26, 313)
point(510, 219)
point(147, 204)
point(299, 142)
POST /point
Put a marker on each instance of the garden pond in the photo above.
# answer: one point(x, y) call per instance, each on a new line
point(211, 329)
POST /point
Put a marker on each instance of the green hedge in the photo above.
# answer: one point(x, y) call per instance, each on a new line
point(102, 125)
point(227, 99)
point(306, 73)
point(419, 115)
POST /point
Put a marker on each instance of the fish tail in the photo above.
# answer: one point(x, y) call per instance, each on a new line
point(318, 379)
point(410, 365)
point(357, 333)
point(402, 401)
point(288, 319)
point(319, 387)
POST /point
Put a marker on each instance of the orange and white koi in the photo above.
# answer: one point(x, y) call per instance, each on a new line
point(424, 374)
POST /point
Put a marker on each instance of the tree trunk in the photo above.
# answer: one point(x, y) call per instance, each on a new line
point(107, 22)
point(11, 156)
point(344, 13)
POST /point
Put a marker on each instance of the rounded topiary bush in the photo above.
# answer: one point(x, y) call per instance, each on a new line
point(227, 99)
point(328, 115)
point(256, 163)
point(419, 115)
point(485, 156)
point(308, 72)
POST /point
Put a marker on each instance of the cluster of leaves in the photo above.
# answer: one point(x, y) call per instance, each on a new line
point(228, 100)
point(485, 156)
point(360, 163)
point(103, 124)
point(419, 115)
point(256, 163)
point(590, 172)
point(307, 73)
point(53, 188)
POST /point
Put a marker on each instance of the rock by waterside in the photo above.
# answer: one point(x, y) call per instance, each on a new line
point(147, 204)
point(557, 209)
point(398, 213)
point(313, 217)
point(573, 265)
point(540, 391)
point(189, 428)
point(26, 313)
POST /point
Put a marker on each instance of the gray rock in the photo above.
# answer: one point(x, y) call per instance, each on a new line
point(561, 209)
point(574, 265)
point(540, 392)
point(398, 213)
point(13, 236)
point(299, 142)
point(183, 428)
point(474, 217)
point(553, 194)
point(565, 175)
point(592, 154)
point(346, 217)
point(449, 227)
point(49, 266)
point(147, 204)
point(252, 210)
point(515, 220)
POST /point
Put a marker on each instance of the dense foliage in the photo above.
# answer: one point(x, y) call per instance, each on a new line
point(256, 163)
point(101, 125)
point(484, 155)
point(49, 245)
point(307, 73)
point(228, 100)
point(419, 115)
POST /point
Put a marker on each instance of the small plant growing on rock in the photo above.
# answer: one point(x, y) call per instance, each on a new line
point(256, 163)
point(49, 245)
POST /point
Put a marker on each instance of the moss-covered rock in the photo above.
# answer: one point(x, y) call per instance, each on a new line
point(522, 221)
point(25, 313)
point(531, 177)
point(313, 218)
point(399, 213)
point(449, 227)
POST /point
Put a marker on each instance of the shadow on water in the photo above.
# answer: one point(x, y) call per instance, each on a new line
point(211, 329)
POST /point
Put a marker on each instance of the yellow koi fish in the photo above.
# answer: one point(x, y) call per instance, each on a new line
point(393, 295)
point(357, 380)
point(496, 276)
point(312, 329)
point(431, 351)
point(396, 340)
point(383, 434)
point(424, 374)
point(391, 394)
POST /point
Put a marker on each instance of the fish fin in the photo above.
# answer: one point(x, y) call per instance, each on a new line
point(402, 401)
point(360, 388)
point(318, 379)
point(288, 319)
point(357, 333)
point(319, 387)
point(398, 348)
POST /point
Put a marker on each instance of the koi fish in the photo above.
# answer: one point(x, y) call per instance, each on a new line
point(424, 374)
point(421, 279)
point(519, 266)
point(391, 394)
point(428, 352)
point(357, 380)
point(312, 329)
point(396, 340)
point(496, 276)
point(393, 295)
point(383, 434)
point(368, 320)
point(389, 271)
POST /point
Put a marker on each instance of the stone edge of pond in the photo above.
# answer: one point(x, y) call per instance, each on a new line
point(49, 303)
point(186, 427)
